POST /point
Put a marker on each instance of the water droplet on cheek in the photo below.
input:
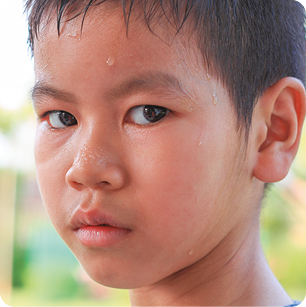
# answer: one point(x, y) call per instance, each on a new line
point(215, 99)
point(199, 144)
point(191, 252)
point(110, 61)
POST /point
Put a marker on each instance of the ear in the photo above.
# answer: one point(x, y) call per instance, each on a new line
point(277, 126)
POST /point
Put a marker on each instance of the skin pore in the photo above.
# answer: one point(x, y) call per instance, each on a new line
point(183, 186)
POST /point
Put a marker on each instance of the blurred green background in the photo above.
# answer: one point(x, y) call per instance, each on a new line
point(36, 267)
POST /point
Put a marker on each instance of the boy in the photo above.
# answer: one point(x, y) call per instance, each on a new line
point(158, 126)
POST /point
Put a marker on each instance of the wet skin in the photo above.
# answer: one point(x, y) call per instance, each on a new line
point(181, 188)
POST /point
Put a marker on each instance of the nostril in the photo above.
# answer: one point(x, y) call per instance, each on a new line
point(76, 185)
point(81, 175)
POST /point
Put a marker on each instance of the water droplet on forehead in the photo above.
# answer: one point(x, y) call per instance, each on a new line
point(110, 61)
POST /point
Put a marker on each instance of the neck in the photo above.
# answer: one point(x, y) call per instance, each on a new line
point(234, 273)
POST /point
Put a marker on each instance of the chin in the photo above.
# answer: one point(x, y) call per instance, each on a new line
point(117, 276)
point(118, 282)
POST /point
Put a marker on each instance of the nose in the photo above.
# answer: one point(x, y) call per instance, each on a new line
point(95, 170)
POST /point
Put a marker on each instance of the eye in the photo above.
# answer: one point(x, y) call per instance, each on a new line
point(147, 114)
point(61, 119)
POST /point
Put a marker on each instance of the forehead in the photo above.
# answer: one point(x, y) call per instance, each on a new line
point(102, 37)
point(98, 57)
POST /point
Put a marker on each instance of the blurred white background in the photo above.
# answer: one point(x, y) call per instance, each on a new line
point(16, 80)
point(16, 74)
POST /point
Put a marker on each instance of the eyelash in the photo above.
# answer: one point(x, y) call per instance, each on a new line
point(151, 111)
point(46, 117)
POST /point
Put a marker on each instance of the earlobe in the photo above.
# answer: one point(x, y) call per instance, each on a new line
point(278, 120)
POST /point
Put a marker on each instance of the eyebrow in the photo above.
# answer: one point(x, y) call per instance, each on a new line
point(41, 89)
point(148, 82)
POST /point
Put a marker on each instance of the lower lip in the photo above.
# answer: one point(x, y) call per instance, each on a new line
point(101, 236)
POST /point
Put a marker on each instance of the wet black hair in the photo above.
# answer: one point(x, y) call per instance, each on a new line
point(247, 44)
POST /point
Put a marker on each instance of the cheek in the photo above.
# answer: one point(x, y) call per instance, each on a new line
point(52, 162)
point(175, 179)
point(186, 171)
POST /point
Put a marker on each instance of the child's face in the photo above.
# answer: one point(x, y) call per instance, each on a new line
point(171, 188)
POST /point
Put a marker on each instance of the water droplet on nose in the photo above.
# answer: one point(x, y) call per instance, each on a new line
point(110, 61)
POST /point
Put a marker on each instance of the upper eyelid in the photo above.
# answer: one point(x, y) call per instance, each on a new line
point(151, 105)
point(43, 115)
point(50, 112)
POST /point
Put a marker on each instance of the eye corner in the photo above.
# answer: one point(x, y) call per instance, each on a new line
point(42, 116)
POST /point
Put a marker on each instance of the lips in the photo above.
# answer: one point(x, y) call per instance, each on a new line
point(96, 229)
point(94, 218)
